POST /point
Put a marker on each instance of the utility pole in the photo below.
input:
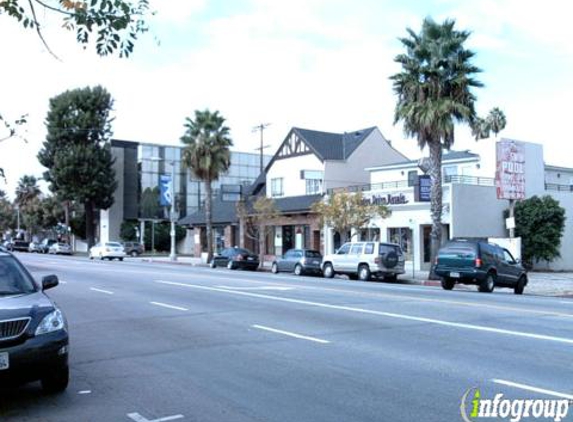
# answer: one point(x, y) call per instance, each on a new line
point(260, 128)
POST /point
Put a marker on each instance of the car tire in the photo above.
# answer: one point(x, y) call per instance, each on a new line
point(297, 270)
point(121, 259)
point(328, 271)
point(231, 265)
point(212, 264)
point(448, 283)
point(134, 254)
point(56, 380)
point(364, 273)
point(488, 284)
point(274, 268)
point(101, 256)
point(91, 256)
point(520, 286)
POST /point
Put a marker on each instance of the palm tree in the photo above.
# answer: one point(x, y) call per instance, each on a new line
point(480, 128)
point(208, 156)
point(434, 92)
point(28, 195)
point(496, 120)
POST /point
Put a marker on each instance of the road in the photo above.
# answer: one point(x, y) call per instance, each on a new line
point(158, 342)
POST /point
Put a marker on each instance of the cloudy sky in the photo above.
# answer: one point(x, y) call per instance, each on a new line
point(314, 64)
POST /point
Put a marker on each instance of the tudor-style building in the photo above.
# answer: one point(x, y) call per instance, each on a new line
point(305, 166)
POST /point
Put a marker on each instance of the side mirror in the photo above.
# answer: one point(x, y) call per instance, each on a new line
point(49, 281)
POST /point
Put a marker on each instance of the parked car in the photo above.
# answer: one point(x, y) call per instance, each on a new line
point(33, 330)
point(234, 258)
point(45, 245)
point(298, 261)
point(107, 250)
point(478, 262)
point(35, 247)
point(60, 248)
point(19, 245)
point(133, 248)
point(363, 260)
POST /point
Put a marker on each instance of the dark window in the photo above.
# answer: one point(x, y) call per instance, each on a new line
point(344, 249)
point(13, 280)
point(369, 248)
point(312, 254)
point(412, 177)
point(384, 249)
point(356, 249)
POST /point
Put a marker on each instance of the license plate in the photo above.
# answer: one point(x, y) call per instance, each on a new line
point(250, 258)
point(455, 275)
point(4, 361)
point(316, 262)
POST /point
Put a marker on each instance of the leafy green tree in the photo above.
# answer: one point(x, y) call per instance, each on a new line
point(161, 236)
point(77, 151)
point(115, 24)
point(434, 90)
point(7, 214)
point(540, 223)
point(150, 207)
point(344, 211)
point(28, 200)
point(207, 154)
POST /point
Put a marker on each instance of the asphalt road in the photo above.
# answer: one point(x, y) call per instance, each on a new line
point(159, 342)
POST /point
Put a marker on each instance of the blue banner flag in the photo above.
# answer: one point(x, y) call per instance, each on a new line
point(165, 190)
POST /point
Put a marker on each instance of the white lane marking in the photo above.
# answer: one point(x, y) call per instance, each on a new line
point(288, 333)
point(277, 288)
point(107, 292)
point(533, 389)
point(570, 302)
point(380, 313)
point(165, 305)
point(85, 392)
point(138, 418)
point(63, 282)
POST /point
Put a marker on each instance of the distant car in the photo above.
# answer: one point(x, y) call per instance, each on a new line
point(363, 260)
point(19, 245)
point(107, 250)
point(234, 258)
point(298, 261)
point(60, 248)
point(133, 248)
point(35, 247)
point(479, 262)
point(45, 245)
point(33, 330)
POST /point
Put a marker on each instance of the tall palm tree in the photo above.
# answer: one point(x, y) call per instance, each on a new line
point(434, 92)
point(480, 128)
point(496, 120)
point(27, 190)
point(208, 156)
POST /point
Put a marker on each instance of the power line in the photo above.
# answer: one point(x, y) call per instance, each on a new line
point(260, 128)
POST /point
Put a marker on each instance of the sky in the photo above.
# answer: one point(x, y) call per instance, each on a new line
point(315, 64)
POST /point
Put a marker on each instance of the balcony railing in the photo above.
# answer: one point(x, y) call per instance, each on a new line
point(469, 180)
point(560, 188)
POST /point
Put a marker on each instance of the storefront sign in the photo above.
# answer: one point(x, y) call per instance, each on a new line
point(510, 170)
point(165, 190)
point(389, 199)
point(423, 189)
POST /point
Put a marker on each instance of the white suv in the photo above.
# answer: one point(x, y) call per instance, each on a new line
point(362, 260)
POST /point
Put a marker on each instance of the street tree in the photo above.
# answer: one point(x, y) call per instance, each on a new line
point(256, 218)
point(496, 120)
point(540, 222)
point(7, 213)
point(434, 90)
point(344, 211)
point(207, 153)
point(77, 151)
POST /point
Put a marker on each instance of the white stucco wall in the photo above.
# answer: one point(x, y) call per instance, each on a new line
point(289, 169)
point(111, 219)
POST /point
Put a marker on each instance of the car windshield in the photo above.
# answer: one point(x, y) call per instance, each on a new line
point(13, 280)
point(312, 254)
point(113, 244)
point(459, 248)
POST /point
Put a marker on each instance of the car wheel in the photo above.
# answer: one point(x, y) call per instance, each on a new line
point(488, 284)
point(364, 273)
point(101, 256)
point(134, 254)
point(328, 271)
point(274, 268)
point(297, 269)
point(448, 283)
point(56, 380)
point(212, 264)
point(520, 286)
point(231, 265)
point(91, 256)
point(121, 259)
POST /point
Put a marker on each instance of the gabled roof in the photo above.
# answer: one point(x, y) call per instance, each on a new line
point(333, 146)
point(223, 212)
point(294, 204)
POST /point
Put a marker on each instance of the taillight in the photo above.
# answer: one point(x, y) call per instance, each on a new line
point(239, 257)
point(436, 261)
point(377, 260)
point(478, 262)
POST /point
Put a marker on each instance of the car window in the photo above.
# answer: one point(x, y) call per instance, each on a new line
point(289, 253)
point(298, 254)
point(113, 244)
point(312, 254)
point(344, 249)
point(356, 249)
point(369, 248)
point(13, 280)
point(508, 256)
point(385, 248)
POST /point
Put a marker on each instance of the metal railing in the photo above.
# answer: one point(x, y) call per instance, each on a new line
point(557, 187)
point(470, 180)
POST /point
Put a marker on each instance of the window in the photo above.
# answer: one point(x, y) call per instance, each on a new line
point(369, 249)
point(344, 249)
point(450, 171)
point(508, 257)
point(313, 181)
point(412, 177)
point(403, 237)
point(356, 249)
point(277, 187)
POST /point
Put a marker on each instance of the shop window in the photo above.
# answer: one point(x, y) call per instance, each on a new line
point(277, 187)
point(403, 237)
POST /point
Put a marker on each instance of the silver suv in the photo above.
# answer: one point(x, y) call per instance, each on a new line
point(362, 260)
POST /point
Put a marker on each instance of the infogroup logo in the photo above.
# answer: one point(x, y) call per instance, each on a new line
point(474, 408)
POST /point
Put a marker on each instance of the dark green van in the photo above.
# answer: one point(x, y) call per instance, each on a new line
point(478, 262)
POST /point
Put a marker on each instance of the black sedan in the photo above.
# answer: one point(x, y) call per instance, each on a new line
point(33, 330)
point(234, 258)
point(298, 261)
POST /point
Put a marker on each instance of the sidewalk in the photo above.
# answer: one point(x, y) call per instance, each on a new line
point(540, 283)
